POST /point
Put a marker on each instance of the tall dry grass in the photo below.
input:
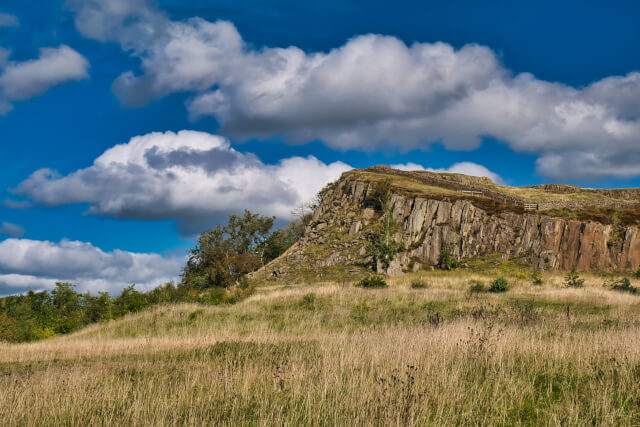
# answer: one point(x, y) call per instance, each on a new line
point(344, 356)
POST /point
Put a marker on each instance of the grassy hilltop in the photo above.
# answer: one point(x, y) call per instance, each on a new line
point(334, 354)
point(608, 206)
point(258, 332)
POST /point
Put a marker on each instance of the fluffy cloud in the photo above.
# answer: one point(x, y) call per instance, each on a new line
point(370, 92)
point(10, 229)
point(466, 168)
point(32, 264)
point(7, 20)
point(23, 80)
point(193, 177)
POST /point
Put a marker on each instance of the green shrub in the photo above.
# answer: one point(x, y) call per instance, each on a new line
point(521, 275)
point(309, 300)
point(448, 260)
point(637, 274)
point(476, 287)
point(194, 315)
point(622, 285)
point(536, 278)
point(419, 284)
point(372, 282)
point(573, 280)
point(499, 284)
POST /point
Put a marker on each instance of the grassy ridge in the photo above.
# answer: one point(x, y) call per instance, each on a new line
point(594, 202)
point(338, 355)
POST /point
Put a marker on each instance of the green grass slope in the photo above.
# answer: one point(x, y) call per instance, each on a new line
point(333, 354)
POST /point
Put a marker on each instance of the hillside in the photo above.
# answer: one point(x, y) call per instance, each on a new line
point(337, 355)
point(550, 227)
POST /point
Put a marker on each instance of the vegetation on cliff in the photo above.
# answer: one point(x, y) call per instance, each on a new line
point(394, 221)
point(473, 333)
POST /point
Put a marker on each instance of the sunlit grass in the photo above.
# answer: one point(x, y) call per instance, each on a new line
point(535, 355)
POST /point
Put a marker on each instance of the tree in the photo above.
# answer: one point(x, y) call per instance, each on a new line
point(130, 300)
point(281, 240)
point(448, 260)
point(65, 299)
point(249, 232)
point(381, 242)
point(572, 279)
point(97, 308)
point(225, 254)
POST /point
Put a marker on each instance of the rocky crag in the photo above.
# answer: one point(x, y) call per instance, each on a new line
point(467, 216)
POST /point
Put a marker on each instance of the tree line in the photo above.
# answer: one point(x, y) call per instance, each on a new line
point(215, 273)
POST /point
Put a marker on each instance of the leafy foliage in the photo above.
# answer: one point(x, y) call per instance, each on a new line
point(215, 273)
point(38, 315)
point(372, 282)
point(380, 195)
point(224, 255)
point(536, 278)
point(448, 259)
point(622, 285)
point(499, 284)
point(381, 243)
point(573, 280)
point(637, 274)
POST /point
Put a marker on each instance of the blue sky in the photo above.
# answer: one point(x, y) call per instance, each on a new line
point(524, 92)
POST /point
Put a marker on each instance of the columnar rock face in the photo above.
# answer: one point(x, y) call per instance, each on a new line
point(429, 225)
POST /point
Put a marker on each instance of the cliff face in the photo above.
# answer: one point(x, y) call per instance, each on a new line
point(337, 234)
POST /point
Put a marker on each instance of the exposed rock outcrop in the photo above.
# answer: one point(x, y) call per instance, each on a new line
point(337, 234)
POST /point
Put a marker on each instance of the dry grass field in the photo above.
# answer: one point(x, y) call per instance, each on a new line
point(333, 354)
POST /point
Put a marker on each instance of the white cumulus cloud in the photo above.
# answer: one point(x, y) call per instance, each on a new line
point(193, 177)
point(373, 91)
point(23, 80)
point(465, 168)
point(38, 264)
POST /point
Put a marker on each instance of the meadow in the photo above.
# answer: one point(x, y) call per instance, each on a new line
point(334, 354)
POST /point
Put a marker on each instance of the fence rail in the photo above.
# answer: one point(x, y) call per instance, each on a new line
point(530, 206)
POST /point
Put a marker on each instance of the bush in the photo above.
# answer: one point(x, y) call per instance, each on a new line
point(622, 285)
point(536, 278)
point(476, 287)
point(448, 260)
point(573, 280)
point(309, 300)
point(499, 284)
point(419, 284)
point(372, 282)
point(637, 274)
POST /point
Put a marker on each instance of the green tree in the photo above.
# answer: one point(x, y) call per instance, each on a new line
point(281, 240)
point(67, 308)
point(130, 301)
point(225, 254)
point(448, 259)
point(381, 242)
point(65, 299)
point(97, 308)
point(249, 232)
point(572, 279)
